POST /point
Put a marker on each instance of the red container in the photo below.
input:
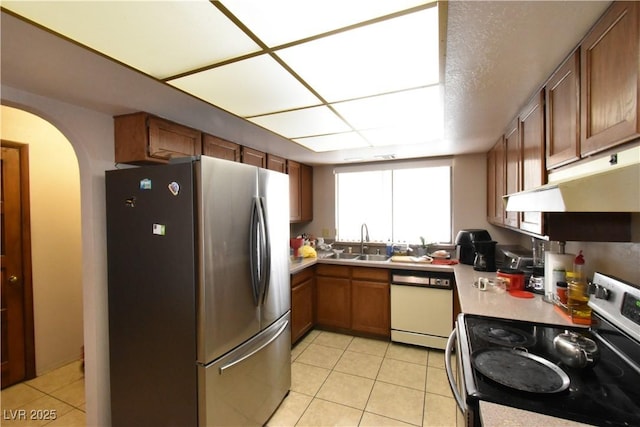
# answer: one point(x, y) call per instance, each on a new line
point(513, 278)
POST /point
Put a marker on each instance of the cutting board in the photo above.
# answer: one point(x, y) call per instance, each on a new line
point(406, 258)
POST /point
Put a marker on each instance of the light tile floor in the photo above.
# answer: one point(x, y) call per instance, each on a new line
point(55, 399)
point(340, 380)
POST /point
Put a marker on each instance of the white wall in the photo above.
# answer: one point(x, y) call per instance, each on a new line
point(56, 249)
point(91, 136)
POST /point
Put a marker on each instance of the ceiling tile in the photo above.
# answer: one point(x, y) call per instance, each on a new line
point(305, 122)
point(156, 37)
point(283, 21)
point(392, 55)
point(250, 87)
point(402, 135)
point(400, 108)
point(340, 141)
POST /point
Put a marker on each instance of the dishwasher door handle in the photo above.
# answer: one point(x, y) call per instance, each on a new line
point(451, 342)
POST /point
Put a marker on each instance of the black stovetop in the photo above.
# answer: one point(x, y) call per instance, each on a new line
point(606, 394)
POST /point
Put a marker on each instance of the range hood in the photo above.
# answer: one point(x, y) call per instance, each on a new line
point(611, 188)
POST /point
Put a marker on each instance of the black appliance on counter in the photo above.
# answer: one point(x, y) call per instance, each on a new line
point(485, 258)
point(537, 379)
point(464, 242)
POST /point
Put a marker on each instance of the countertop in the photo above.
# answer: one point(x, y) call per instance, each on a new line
point(487, 303)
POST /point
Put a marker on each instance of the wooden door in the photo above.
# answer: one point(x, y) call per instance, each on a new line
point(333, 302)
point(295, 202)
point(563, 114)
point(276, 163)
point(219, 148)
point(18, 355)
point(495, 183)
point(513, 156)
point(254, 157)
point(610, 79)
point(533, 169)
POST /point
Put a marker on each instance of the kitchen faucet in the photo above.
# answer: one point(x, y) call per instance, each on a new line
point(362, 228)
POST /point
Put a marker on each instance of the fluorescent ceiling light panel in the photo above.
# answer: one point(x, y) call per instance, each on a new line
point(284, 21)
point(305, 122)
point(250, 87)
point(391, 55)
point(417, 105)
point(402, 135)
point(340, 141)
point(160, 38)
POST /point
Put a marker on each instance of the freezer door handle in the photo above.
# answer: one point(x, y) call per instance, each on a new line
point(257, 350)
point(260, 253)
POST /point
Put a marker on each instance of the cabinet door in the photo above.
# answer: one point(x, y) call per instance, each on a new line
point(610, 79)
point(495, 183)
point(216, 147)
point(563, 115)
point(306, 193)
point(276, 163)
point(333, 302)
point(370, 307)
point(168, 140)
point(295, 202)
point(301, 309)
point(533, 170)
point(254, 157)
point(513, 160)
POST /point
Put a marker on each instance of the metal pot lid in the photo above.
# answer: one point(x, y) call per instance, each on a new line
point(520, 370)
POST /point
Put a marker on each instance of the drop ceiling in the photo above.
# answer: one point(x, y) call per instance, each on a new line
point(336, 80)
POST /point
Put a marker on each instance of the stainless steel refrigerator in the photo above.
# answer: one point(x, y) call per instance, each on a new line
point(199, 302)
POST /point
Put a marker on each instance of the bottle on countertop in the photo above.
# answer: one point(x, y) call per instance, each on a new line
point(389, 248)
point(578, 298)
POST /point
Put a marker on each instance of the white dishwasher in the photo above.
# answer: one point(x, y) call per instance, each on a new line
point(421, 307)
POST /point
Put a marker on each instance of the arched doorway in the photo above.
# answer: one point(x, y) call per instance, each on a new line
point(56, 249)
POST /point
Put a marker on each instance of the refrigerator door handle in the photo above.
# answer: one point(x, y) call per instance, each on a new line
point(257, 350)
point(254, 250)
point(260, 251)
point(265, 252)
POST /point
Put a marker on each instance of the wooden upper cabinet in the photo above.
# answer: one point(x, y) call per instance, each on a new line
point(254, 157)
point(295, 201)
point(141, 138)
point(513, 160)
point(300, 192)
point(562, 95)
point(496, 183)
point(532, 143)
point(217, 147)
point(610, 58)
point(306, 193)
point(276, 163)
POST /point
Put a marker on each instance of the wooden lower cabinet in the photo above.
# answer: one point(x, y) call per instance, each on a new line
point(333, 302)
point(354, 299)
point(302, 303)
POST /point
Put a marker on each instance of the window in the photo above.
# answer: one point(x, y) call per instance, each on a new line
point(399, 202)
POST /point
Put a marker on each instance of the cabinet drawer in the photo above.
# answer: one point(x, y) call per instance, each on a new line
point(376, 274)
point(301, 277)
point(332, 270)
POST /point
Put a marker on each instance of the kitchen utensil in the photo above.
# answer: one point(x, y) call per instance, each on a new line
point(296, 244)
point(520, 370)
point(464, 243)
point(575, 350)
point(555, 267)
point(485, 255)
point(514, 278)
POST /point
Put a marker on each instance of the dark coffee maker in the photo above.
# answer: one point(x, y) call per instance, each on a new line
point(464, 242)
point(485, 258)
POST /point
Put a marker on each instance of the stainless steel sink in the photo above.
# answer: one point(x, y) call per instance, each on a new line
point(345, 256)
point(367, 257)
